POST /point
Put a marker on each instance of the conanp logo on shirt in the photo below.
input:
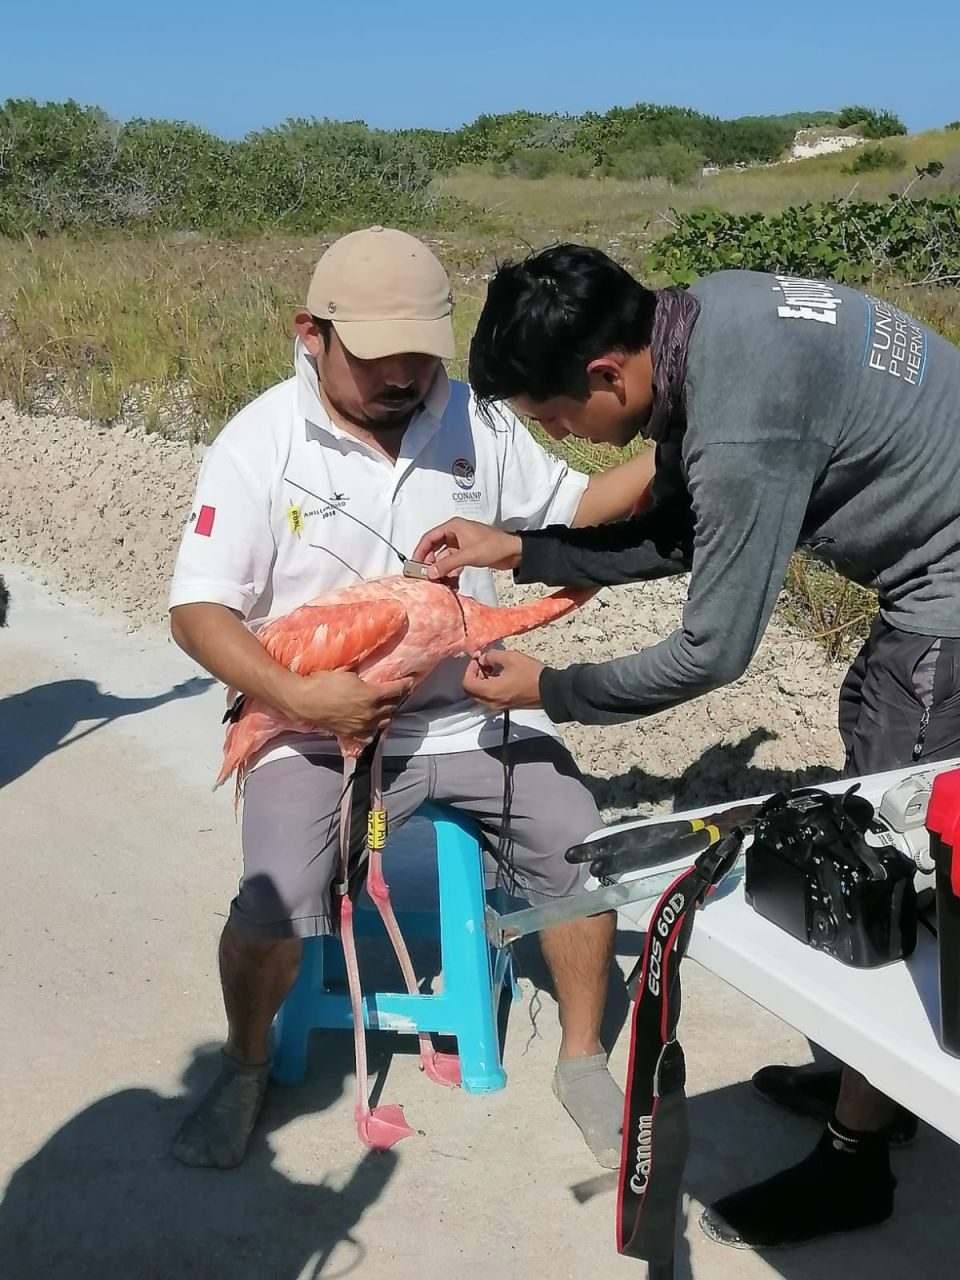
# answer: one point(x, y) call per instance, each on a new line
point(464, 473)
point(465, 476)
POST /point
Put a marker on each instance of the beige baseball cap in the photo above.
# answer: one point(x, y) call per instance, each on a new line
point(385, 293)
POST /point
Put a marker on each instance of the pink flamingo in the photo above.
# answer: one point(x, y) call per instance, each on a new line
point(385, 629)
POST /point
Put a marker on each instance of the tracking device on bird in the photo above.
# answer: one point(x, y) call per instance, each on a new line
point(415, 569)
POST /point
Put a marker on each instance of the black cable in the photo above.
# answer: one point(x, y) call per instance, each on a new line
point(503, 860)
point(350, 516)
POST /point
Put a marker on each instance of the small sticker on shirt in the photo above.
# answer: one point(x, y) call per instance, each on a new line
point(295, 519)
point(204, 525)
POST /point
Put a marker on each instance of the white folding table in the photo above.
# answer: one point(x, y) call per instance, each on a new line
point(883, 1022)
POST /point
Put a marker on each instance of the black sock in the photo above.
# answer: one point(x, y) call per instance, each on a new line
point(861, 1144)
point(843, 1184)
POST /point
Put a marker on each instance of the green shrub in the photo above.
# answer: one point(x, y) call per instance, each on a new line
point(627, 132)
point(870, 123)
point(644, 128)
point(872, 158)
point(541, 162)
point(679, 164)
point(495, 138)
point(672, 160)
point(798, 120)
point(66, 167)
point(843, 240)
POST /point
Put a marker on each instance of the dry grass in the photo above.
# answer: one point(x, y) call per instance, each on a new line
point(827, 177)
point(97, 323)
point(599, 211)
point(179, 332)
point(829, 609)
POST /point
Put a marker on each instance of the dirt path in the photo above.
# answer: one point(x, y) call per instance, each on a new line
point(118, 867)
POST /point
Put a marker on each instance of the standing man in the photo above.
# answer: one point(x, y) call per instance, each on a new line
point(786, 413)
point(327, 479)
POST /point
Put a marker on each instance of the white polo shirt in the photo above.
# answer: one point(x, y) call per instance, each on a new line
point(275, 524)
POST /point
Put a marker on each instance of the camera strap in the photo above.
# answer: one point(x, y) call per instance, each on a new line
point(655, 1126)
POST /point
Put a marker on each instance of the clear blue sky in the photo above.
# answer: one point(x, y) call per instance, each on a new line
point(237, 66)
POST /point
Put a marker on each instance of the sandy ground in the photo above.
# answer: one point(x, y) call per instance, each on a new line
point(119, 864)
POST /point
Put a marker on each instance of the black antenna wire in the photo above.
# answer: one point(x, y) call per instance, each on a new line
point(350, 516)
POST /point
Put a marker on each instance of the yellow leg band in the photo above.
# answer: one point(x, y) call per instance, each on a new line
point(376, 828)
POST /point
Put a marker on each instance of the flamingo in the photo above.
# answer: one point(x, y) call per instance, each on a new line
point(385, 629)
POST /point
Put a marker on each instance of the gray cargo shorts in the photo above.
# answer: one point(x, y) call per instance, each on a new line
point(900, 702)
point(291, 811)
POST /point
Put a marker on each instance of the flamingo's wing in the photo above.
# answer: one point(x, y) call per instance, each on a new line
point(330, 637)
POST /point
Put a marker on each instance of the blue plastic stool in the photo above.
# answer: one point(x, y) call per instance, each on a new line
point(473, 974)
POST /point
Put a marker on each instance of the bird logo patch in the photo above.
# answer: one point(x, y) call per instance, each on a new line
point(463, 473)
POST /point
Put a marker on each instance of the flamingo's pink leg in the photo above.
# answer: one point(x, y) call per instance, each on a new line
point(443, 1068)
point(382, 1127)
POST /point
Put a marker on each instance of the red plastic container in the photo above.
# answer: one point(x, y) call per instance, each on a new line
point(943, 824)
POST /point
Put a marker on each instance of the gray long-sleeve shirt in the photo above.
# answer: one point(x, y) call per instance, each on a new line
point(817, 417)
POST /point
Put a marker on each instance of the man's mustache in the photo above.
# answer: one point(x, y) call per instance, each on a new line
point(396, 397)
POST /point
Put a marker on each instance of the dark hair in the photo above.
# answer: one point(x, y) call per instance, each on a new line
point(547, 317)
point(325, 328)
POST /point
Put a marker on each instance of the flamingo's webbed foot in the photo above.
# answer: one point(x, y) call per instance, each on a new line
point(383, 1127)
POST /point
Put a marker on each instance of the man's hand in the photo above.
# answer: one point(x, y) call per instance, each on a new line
point(504, 680)
point(344, 704)
point(457, 544)
point(338, 701)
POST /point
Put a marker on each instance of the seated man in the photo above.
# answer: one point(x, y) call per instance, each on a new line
point(319, 483)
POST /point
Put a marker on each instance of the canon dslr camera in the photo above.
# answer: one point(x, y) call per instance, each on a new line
point(810, 870)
